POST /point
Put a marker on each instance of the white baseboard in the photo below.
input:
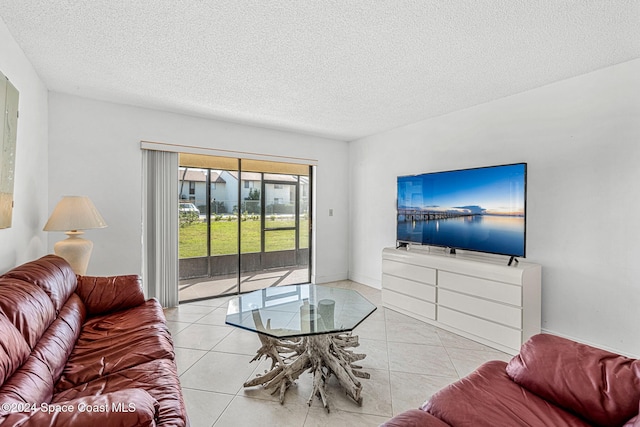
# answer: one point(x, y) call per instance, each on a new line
point(365, 280)
point(329, 278)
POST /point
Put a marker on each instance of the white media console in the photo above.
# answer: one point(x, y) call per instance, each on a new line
point(481, 298)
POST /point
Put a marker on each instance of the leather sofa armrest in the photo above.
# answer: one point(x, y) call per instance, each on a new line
point(635, 421)
point(414, 418)
point(128, 407)
point(107, 294)
point(600, 386)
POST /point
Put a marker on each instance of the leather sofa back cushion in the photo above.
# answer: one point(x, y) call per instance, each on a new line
point(109, 294)
point(52, 274)
point(57, 343)
point(27, 307)
point(13, 349)
point(32, 382)
point(601, 387)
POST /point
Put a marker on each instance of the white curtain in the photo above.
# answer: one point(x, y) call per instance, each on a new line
point(160, 225)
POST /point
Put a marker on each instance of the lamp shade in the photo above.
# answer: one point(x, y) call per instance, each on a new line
point(74, 213)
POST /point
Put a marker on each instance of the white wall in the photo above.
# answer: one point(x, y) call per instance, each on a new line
point(94, 150)
point(581, 140)
point(25, 240)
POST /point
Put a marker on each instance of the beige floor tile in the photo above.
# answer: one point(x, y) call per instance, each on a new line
point(420, 359)
point(175, 327)
point(187, 313)
point(466, 361)
point(377, 354)
point(239, 341)
point(201, 337)
point(408, 361)
point(319, 417)
point(412, 333)
point(376, 395)
point(451, 340)
point(215, 317)
point(205, 407)
point(186, 357)
point(218, 372)
point(372, 329)
point(396, 317)
point(409, 391)
point(245, 411)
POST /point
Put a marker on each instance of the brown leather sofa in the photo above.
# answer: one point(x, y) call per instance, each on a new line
point(552, 382)
point(85, 351)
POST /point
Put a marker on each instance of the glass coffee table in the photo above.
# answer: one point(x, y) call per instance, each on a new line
point(304, 328)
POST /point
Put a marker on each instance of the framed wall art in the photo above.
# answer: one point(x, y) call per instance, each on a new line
point(8, 127)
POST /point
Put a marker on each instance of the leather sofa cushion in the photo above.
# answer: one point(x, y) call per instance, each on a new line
point(414, 418)
point(27, 307)
point(602, 387)
point(488, 398)
point(14, 350)
point(109, 294)
point(159, 378)
point(57, 343)
point(74, 314)
point(117, 341)
point(110, 409)
point(31, 383)
point(50, 273)
point(115, 353)
point(147, 314)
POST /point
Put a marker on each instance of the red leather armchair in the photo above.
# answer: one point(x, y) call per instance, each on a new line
point(551, 382)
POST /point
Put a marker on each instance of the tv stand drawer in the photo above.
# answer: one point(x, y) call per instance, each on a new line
point(416, 273)
point(408, 305)
point(483, 329)
point(476, 286)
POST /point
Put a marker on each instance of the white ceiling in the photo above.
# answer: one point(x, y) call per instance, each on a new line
point(342, 69)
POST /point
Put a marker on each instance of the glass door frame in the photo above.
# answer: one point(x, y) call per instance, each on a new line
point(264, 230)
point(296, 225)
point(263, 261)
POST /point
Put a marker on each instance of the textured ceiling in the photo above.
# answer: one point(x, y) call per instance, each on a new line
point(334, 68)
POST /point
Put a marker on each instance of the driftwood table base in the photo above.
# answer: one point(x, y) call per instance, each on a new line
point(322, 355)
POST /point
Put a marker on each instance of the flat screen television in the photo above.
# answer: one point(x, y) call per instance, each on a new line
point(480, 209)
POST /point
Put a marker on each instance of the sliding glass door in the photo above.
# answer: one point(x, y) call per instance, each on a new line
point(242, 228)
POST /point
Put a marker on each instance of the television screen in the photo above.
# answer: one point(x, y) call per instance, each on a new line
point(480, 209)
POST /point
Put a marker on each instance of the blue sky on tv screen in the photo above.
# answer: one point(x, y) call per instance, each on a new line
point(497, 190)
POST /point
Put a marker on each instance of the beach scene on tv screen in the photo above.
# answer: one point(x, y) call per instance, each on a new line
point(475, 209)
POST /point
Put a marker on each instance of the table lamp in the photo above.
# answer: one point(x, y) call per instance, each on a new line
point(71, 215)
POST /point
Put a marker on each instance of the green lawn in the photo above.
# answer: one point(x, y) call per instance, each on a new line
point(224, 237)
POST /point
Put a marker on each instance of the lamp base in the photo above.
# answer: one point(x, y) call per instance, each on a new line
point(75, 250)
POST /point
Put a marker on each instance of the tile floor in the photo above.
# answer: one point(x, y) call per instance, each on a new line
point(408, 361)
